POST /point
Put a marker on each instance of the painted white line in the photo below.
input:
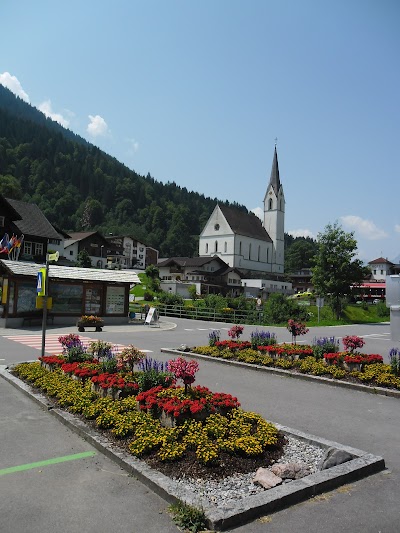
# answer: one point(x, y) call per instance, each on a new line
point(186, 329)
point(202, 329)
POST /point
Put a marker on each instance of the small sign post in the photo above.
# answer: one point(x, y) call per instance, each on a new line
point(43, 280)
point(320, 303)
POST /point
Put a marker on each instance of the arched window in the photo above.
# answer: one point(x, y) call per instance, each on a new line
point(225, 247)
point(267, 255)
point(240, 247)
point(216, 246)
point(206, 247)
point(259, 252)
point(250, 251)
point(270, 204)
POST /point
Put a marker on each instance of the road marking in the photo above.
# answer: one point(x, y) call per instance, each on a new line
point(187, 329)
point(56, 460)
point(53, 345)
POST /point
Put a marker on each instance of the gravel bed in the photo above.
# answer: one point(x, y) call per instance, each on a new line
point(239, 486)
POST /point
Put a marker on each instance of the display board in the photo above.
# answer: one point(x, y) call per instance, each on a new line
point(115, 300)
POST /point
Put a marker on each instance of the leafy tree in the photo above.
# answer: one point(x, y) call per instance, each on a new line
point(336, 269)
point(300, 254)
point(83, 259)
point(192, 292)
point(10, 187)
point(153, 274)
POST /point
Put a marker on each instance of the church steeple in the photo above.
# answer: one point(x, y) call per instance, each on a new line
point(274, 179)
point(274, 215)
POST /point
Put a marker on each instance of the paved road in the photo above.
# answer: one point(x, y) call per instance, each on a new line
point(99, 494)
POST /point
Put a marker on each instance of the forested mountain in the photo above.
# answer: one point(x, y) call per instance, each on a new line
point(79, 187)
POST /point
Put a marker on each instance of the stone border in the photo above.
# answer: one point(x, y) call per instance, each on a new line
point(287, 373)
point(240, 512)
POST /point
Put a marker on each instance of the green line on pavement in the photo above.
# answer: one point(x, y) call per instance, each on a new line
point(54, 461)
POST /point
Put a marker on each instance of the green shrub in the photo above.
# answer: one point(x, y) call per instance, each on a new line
point(187, 517)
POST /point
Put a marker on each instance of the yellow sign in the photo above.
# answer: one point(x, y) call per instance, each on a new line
point(54, 257)
point(5, 290)
point(40, 301)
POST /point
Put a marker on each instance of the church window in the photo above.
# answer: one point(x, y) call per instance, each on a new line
point(225, 247)
point(216, 227)
point(250, 251)
point(270, 204)
point(240, 247)
point(267, 255)
point(206, 247)
point(258, 254)
point(216, 246)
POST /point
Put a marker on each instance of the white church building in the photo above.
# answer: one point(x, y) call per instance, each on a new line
point(242, 240)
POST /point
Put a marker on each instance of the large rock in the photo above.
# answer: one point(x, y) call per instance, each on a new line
point(291, 470)
point(333, 457)
point(266, 478)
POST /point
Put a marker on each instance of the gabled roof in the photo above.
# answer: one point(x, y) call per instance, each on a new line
point(10, 211)
point(380, 260)
point(247, 224)
point(33, 222)
point(23, 268)
point(190, 261)
point(274, 179)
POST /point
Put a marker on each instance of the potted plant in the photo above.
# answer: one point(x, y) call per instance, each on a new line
point(90, 321)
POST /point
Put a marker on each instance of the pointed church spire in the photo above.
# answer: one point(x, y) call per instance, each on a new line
point(274, 179)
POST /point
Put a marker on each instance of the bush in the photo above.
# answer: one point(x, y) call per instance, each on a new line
point(168, 298)
point(382, 310)
point(278, 309)
point(148, 296)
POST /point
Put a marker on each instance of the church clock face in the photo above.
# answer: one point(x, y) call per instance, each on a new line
point(216, 227)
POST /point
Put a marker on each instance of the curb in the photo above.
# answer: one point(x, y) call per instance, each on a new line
point(219, 518)
point(288, 374)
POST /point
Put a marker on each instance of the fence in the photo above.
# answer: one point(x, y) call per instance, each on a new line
point(235, 316)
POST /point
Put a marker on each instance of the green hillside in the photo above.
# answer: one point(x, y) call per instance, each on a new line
point(81, 188)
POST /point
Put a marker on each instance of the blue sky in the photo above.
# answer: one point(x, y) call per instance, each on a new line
point(197, 92)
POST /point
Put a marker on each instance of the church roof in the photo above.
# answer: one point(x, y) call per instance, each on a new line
point(247, 224)
point(274, 179)
point(380, 260)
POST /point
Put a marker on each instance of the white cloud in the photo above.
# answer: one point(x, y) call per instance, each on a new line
point(12, 83)
point(133, 145)
point(45, 107)
point(397, 228)
point(301, 233)
point(258, 211)
point(366, 228)
point(97, 126)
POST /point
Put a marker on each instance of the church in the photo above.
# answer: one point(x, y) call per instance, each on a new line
point(242, 240)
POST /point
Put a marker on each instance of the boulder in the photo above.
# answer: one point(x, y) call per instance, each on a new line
point(266, 478)
point(333, 457)
point(291, 470)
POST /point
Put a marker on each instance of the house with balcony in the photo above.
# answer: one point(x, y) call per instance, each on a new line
point(102, 253)
point(137, 254)
point(208, 274)
point(33, 233)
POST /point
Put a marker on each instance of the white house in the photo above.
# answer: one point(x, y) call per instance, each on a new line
point(380, 268)
point(242, 240)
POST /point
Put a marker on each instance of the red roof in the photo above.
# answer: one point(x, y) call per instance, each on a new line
point(380, 260)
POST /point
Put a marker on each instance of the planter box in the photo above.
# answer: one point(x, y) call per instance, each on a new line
point(97, 325)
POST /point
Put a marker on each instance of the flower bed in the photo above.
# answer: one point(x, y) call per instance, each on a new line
point(207, 446)
point(349, 365)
